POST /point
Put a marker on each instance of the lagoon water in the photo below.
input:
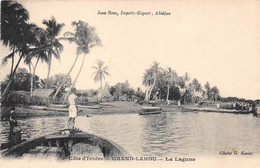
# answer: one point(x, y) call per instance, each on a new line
point(167, 134)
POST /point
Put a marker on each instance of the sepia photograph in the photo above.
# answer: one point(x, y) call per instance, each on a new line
point(89, 83)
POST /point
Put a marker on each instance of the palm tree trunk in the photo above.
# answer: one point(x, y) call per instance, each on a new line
point(49, 69)
point(32, 77)
point(66, 97)
point(168, 91)
point(12, 66)
point(101, 88)
point(149, 96)
point(49, 66)
point(73, 64)
point(10, 79)
point(146, 94)
point(59, 88)
point(31, 89)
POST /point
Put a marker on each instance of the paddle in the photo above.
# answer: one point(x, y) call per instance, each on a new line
point(22, 129)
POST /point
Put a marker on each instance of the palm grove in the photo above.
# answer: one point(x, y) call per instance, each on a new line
point(33, 44)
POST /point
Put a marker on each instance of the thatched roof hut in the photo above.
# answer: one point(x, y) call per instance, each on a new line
point(43, 92)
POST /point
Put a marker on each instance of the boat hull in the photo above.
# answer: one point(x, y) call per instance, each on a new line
point(63, 142)
point(149, 113)
point(150, 109)
point(216, 110)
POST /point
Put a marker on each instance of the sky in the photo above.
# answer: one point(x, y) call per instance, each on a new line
point(211, 40)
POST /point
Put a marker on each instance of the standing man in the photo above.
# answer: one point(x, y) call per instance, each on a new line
point(12, 122)
point(72, 108)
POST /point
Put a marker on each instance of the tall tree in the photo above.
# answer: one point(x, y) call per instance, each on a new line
point(21, 80)
point(215, 93)
point(195, 90)
point(150, 79)
point(39, 52)
point(15, 33)
point(85, 38)
point(55, 47)
point(100, 73)
point(171, 78)
point(207, 91)
point(183, 84)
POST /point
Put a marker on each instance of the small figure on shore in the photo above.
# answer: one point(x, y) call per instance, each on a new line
point(73, 110)
point(12, 121)
point(218, 104)
point(15, 133)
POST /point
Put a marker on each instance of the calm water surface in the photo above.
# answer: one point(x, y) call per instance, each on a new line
point(166, 134)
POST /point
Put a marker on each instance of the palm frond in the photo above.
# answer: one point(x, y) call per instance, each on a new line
point(5, 59)
point(94, 67)
point(69, 34)
point(107, 73)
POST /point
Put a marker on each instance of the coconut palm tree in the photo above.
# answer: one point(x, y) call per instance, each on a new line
point(100, 73)
point(39, 51)
point(171, 78)
point(15, 33)
point(55, 47)
point(182, 84)
point(195, 89)
point(215, 93)
point(150, 78)
point(207, 91)
point(85, 38)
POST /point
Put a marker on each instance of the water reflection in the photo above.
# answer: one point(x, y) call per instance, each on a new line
point(166, 134)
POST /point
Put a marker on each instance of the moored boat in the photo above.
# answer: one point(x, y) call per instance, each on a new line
point(67, 144)
point(218, 110)
point(34, 107)
point(89, 107)
point(58, 105)
point(148, 113)
point(62, 108)
point(147, 110)
point(150, 108)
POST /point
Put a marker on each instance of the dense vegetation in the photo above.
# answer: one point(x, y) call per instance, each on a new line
point(33, 44)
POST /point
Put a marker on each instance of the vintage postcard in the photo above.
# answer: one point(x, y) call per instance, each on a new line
point(87, 83)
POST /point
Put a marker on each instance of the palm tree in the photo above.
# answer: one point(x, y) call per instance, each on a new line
point(55, 47)
point(150, 78)
point(85, 38)
point(207, 90)
point(171, 78)
point(148, 81)
point(100, 73)
point(215, 93)
point(15, 33)
point(39, 52)
point(195, 89)
point(183, 84)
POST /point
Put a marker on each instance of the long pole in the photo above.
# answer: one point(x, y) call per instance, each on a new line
point(22, 129)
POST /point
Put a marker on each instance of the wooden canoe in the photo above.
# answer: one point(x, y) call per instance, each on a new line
point(196, 109)
point(38, 107)
point(58, 105)
point(89, 107)
point(66, 144)
point(150, 108)
point(149, 113)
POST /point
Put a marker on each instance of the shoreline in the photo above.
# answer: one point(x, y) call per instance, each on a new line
point(109, 108)
point(117, 107)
